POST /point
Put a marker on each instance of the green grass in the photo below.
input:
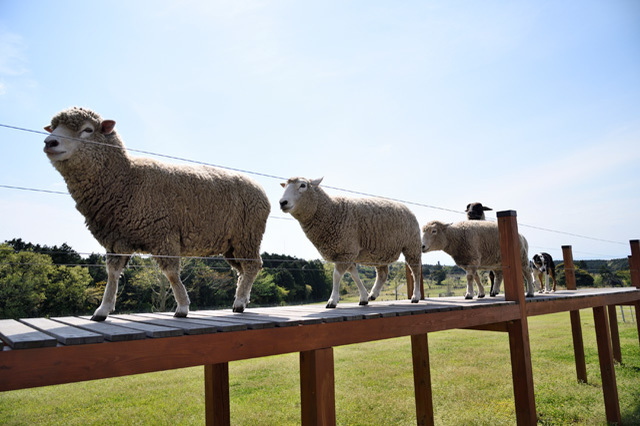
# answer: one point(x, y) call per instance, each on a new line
point(471, 382)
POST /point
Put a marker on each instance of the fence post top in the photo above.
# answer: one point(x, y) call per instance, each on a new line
point(506, 213)
point(566, 247)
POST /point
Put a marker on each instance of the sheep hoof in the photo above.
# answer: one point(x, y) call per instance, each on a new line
point(180, 315)
point(480, 296)
point(363, 303)
point(468, 296)
point(98, 318)
point(237, 309)
point(529, 295)
point(415, 300)
point(372, 297)
point(331, 305)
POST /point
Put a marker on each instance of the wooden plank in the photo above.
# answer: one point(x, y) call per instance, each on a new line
point(607, 370)
point(422, 379)
point(112, 333)
point(578, 346)
point(21, 336)
point(151, 330)
point(216, 394)
point(189, 326)
point(47, 366)
point(317, 387)
point(252, 321)
point(65, 334)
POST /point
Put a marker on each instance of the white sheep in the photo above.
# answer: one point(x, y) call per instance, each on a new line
point(145, 206)
point(475, 246)
point(348, 231)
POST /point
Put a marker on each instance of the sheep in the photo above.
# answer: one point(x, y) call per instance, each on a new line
point(475, 211)
point(542, 264)
point(348, 231)
point(145, 206)
point(474, 245)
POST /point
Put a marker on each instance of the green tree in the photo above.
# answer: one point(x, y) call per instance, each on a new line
point(67, 291)
point(24, 277)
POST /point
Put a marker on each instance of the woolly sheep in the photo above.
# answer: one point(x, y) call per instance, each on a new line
point(348, 231)
point(142, 205)
point(474, 245)
point(475, 211)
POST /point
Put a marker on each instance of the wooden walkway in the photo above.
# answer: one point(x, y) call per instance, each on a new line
point(41, 352)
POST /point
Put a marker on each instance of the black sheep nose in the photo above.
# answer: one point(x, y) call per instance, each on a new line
point(283, 203)
point(51, 144)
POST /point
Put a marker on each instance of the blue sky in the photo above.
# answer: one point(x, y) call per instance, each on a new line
point(531, 106)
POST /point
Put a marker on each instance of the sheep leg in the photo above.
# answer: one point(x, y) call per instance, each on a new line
point(537, 277)
point(115, 265)
point(338, 271)
point(495, 288)
point(416, 271)
point(476, 277)
point(382, 272)
point(250, 270)
point(469, 293)
point(528, 276)
point(170, 267)
point(353, 270)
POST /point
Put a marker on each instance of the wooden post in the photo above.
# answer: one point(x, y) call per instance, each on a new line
point(518, 329)
point(607, 371)
point(576, 326)
point(317, 387)
point(634, 265)
point(615, 336)
point(216, 394)
point(422, 380)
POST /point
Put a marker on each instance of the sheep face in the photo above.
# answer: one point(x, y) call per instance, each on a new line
point(63, 141)
point(475, 211)
point(434, 236)
point(294, 190)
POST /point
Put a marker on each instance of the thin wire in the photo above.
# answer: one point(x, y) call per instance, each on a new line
point(285, 179)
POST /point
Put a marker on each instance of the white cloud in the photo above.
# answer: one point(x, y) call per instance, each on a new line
point(13, 61)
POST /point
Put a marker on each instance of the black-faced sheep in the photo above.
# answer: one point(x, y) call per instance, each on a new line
point(475, 211)
point(542, 264)
point(348, 231)
point(475, 246)
point(145, 206)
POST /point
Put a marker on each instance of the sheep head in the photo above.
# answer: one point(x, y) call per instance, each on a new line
point(475, 211)
point(434, 236)
point(294, 190)
point(70, 128)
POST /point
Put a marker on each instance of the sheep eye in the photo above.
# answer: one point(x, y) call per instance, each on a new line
point(87, 130)
point(434, 231)
point(303, 185)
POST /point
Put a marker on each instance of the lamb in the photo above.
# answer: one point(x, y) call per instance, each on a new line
point(542, 264)
point(474, 245)
point(143, 205)
point(348, 231)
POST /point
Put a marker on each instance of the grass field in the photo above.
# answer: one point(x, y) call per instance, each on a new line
point(471, 382)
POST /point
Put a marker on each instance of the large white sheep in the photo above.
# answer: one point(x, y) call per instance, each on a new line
point(145, 206)
point(475, 246)
point(348, 231)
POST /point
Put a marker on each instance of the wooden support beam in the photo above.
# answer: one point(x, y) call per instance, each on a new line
point(607, 370)
point(216, 394)
point(634, 265)
point(576, 325)
point(615, 336)
point(518, 329)
point(317, 387)
point(422, 380)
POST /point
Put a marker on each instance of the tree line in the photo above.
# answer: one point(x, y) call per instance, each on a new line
point(38, 280)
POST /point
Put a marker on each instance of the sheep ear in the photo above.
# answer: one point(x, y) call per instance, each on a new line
point(107, 126)
point(283, 185)
point(316, 182)
point(48, 129)
point(485, 208)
